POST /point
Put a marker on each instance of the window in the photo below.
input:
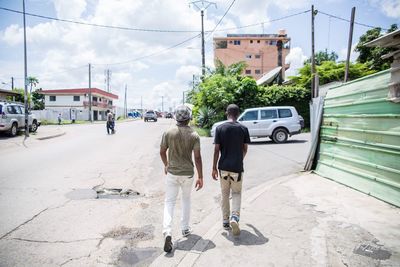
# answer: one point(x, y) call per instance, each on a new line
point(19, 110)
point(77, 98)
point(222, 44)
point(272, 42)
point(251, 41)
point(258, 71)
point(258, 41)
point(285, 113)
point(236, 42)
point(269, 114)
point(52, 98)
point(94, 98)
point(257, 56)
point(248, 71)
point(13, 110)
point(250, 116)
point(248, 56)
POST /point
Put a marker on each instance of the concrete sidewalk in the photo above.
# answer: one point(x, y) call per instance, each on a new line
point(299, 220)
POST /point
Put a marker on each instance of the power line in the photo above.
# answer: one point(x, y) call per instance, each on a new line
point(97, 25)
point(267, 21)
point(226, 12)
point(150, 55)
point(343, 19)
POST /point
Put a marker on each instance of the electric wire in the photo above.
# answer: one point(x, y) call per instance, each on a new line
point(149, 55)
point(97, 25)
point(347, 20)
point(226, 12)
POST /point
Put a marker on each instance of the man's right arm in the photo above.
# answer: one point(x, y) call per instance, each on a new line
point(215, 161)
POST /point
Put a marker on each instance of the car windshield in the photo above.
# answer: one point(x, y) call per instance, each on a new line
point(150, 112)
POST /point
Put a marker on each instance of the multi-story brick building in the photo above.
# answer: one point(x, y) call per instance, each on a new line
point(259, 51)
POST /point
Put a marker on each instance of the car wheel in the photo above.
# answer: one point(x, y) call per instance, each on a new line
point(280, 136)
point(34, 127)
point(14, 129)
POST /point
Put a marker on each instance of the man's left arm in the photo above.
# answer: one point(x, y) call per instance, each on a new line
point(199, 167)
point(163, 154)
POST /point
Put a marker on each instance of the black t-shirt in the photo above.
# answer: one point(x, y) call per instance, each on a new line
point(231, 136)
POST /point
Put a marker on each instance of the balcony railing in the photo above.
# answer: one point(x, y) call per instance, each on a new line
point(97, 104)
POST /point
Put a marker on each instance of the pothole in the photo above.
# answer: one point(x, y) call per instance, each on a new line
point(116, 193)
point(102, 193)
point(372, 252)
point(132, 235)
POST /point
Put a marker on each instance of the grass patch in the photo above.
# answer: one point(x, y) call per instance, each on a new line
point(63, 122)
point(305, 130)
point(202, 131)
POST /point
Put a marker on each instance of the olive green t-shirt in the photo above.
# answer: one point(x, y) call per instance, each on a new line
point(180, 142)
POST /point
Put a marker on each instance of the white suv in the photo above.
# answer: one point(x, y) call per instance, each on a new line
point(278, 123)
point(12, 118)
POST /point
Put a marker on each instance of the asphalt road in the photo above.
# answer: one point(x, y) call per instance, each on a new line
point(51, 214)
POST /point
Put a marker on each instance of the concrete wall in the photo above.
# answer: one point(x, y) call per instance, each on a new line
point(64, 100)
point(52, 114)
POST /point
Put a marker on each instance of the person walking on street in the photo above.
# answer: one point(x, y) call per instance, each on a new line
point(231, 142)
point(59, 119)
point(110, 122)
point(180, 142)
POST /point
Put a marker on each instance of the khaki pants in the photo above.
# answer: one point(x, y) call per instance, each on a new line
point(229, 181)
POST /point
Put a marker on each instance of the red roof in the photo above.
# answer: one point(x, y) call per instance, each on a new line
point(79, 91)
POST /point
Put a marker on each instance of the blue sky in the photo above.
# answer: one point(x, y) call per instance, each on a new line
point(58, 52)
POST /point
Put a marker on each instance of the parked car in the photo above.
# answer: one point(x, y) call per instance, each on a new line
point(12, 118)
point(150, 115)
point(278, 123)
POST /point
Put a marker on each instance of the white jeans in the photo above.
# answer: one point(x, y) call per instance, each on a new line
point(173, 183)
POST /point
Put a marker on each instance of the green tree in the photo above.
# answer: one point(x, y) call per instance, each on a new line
point(32, 81)
point(38, 99)
point(330, 71)
point(322, 56)
point(20, 96)
point(372, 56)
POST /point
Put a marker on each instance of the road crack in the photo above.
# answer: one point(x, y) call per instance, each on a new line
point(32, 218)
point(54, 242)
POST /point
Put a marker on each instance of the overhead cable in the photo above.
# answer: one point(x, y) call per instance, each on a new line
point(97, 25)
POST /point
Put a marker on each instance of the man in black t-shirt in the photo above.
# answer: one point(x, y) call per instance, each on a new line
point(231, 139)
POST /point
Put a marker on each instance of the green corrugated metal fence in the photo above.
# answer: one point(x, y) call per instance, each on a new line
point(360, 138)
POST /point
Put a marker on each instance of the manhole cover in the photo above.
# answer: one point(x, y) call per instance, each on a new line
point(372, 252)
point(116, 193)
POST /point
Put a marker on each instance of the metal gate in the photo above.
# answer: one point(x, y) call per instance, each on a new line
point(360, 138)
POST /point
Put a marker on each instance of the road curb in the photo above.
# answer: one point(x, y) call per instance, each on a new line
point(50, 136)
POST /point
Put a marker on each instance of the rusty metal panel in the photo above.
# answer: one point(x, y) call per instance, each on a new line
point(360, 137)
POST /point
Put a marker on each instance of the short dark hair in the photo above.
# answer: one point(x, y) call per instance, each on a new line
point(233, 110)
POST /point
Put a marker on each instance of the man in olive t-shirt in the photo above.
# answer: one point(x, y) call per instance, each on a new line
point(180, 142)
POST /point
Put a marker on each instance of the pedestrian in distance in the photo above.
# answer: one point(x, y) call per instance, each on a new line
point(230, 147)
point(73, 116)
point(110, 124)
point(59, 119)
point(180, 142)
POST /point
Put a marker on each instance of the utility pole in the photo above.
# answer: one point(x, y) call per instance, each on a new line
point(25, 76)
point(183, 98)
point(107, 73)
point(12, 83)
point(279, 45)
point(313, 87)
point(125, 103)
point(346, 74)
point(90, 92)
point(202, 5)
point(162, 103)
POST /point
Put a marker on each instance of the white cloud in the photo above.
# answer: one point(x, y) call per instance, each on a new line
point(343, 53)
point(70, 9)
point(296, 60)
point(390, 8)
point(12, 35)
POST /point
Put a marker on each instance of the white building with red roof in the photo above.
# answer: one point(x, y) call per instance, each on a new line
point(76, 102)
